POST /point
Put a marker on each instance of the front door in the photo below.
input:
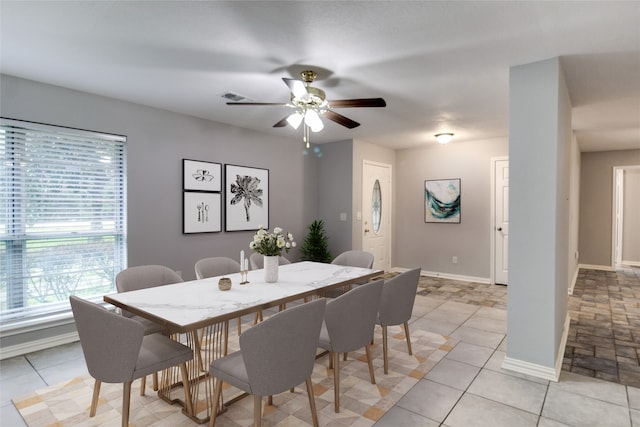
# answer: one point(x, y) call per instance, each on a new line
point(376, 216)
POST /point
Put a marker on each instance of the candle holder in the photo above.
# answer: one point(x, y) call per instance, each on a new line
point(244, 276)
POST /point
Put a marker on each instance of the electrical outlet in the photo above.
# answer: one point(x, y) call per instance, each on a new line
point(454, 259)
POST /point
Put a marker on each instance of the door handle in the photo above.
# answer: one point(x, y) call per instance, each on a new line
point(499, 229)
point(366, 230)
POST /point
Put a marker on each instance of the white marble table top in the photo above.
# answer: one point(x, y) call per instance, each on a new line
point(190, 305)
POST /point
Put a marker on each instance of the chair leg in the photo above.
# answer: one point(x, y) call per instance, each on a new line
point(336, 380)
point(312, 402)
point(270, 400)
point(94, 400)
point(384, 350)
point(143, 385)
point(214, 404)
point(257, 410)
point(187, 390)
point(126, 403)
point(406, 333)
point(155, 381)
point(370, 363)
point(344, 357)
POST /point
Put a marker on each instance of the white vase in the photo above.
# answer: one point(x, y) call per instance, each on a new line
point(271, 268)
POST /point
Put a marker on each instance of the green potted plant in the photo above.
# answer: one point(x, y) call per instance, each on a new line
point(315, 246)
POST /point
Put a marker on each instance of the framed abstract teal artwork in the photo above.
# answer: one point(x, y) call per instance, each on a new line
point(442, 201)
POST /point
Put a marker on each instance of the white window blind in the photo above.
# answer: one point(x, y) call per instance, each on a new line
point(62, 217)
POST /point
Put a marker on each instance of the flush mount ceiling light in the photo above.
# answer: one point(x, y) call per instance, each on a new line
point(444, 138)
point(310, 104)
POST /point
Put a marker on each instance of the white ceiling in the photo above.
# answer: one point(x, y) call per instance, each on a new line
point(441, 66)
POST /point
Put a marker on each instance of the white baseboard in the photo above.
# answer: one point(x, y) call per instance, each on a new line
point(531, 369)
point(462, 278)
point(573, 281)
point(539, 371)
point(36, 345)
point(631, 263)
point(596, 267)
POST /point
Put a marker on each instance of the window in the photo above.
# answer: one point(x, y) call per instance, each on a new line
point(376, 207)
point(62, 217)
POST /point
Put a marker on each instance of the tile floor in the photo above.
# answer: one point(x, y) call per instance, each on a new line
point(604, 336)
point(466, 388)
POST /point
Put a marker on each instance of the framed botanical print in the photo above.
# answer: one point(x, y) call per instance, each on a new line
point(201, 176)
point(442, 200)
point(246, 198)
point(201, 212)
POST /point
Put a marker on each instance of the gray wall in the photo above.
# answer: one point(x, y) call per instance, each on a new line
point(157, 141)
point(431, 246)
point(596, 201)
point(335, 193)
point(631, 217)
point(539, 177)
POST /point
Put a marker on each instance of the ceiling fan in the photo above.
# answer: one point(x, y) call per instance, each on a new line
point(310, 103)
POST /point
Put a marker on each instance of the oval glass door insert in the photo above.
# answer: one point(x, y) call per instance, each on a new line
point(376, 206)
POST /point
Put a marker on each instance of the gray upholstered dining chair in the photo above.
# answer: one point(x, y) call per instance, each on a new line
point(218, 266)
point(349, 322)
point(274, 356)
point(396, 307)
point(361, 259)
point(117, 350)
point(257, 261)
point(143, 277)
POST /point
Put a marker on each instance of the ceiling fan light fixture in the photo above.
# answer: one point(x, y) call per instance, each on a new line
point(295, 119)
point(444, 138)
point(312, 119)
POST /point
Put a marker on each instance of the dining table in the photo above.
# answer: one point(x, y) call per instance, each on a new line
point(197, 313)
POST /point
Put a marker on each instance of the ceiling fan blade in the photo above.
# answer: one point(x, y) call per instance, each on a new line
point(297, 87)
point(340, 119)
point(258, 103)
point(282, 123)
point(364, 102)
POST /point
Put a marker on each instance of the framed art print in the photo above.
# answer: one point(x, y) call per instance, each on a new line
point(201, 176)
point(201, 212)
point(246, 198)
point(442, 201)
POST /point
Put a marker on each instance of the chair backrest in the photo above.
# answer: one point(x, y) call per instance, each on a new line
point(279, 353)
point(110, 342)
point(351, 317)
point(146, 276)
point(257, 261)
point(354, 259)
point(216, 266)
point(398, 296)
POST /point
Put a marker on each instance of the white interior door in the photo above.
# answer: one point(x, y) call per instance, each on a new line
point(376, 213)
point(501, 221)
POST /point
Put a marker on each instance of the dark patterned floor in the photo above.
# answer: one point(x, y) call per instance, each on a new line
point(466, 292)
point(604, 336)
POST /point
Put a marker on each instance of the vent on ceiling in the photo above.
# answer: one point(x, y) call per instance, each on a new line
point(230, 96)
